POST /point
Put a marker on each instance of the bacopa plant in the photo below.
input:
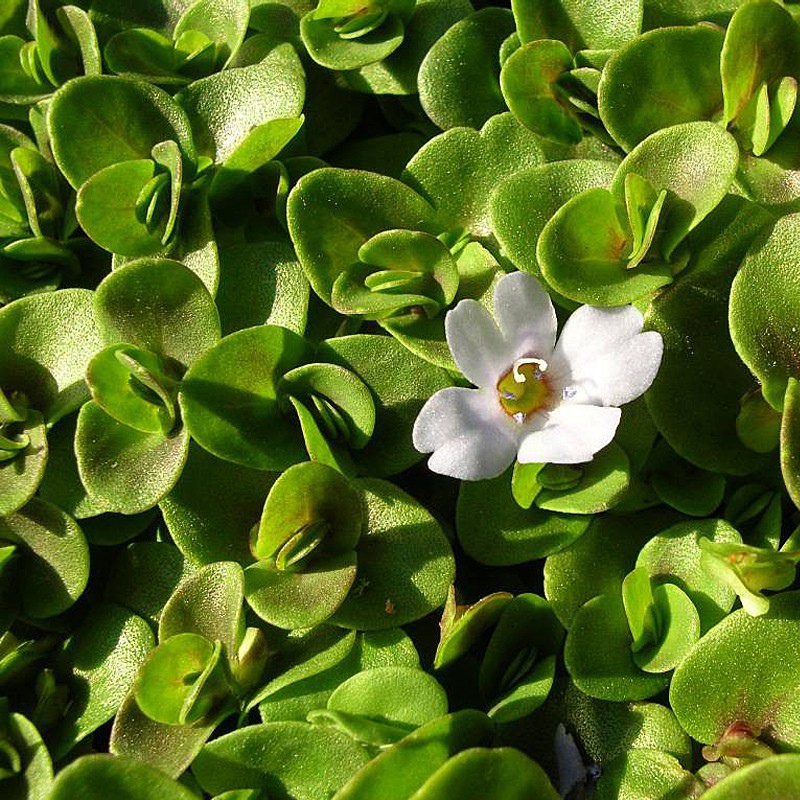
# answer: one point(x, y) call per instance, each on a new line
point(399, 400)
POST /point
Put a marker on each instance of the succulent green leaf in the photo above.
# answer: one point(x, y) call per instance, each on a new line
point(103, 654)
point(182, 681)
point(23, 458)
point(761, 46)
point(399, 772)
point(123, 469)
point(51, 338)
point(521, 204)
point(646, 773)
point(224, 23)
point(529, 84)
point(598, 654)
point(178, 320)
point(133, 386)
point(493, 528)
point(678, 627)
point(595, 25)
point(52, 558)
point(225, 107)
point(212, 507)
point(503, 773)
point(674, 555)
point(743, 671)
point(333, 49)
point(677, 80)
point(762, 333)
point(265, 756)
point(289, 599)
point(749, 570)
point(405, 563)
point(98, 121)
point(332, 213)
point(695, 162)
point(459, 79)
point(97, 776)
point(692, 317)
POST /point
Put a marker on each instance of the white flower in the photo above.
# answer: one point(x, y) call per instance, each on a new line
point(536, 401)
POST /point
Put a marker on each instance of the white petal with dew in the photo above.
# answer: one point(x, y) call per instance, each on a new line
point(571, 434)
point(620, 376)
point(467, 431)
point(478, 347)
point(593, 332)
point(525, 314)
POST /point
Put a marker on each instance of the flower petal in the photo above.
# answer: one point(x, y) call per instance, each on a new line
point(469, 435)
point(526, 315)
point(602, 358)
point(571, 434)
point(477, 345)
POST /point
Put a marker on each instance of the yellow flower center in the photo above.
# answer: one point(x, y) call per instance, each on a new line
point(523, 390)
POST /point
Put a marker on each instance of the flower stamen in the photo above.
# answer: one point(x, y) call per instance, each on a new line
point(523, 389)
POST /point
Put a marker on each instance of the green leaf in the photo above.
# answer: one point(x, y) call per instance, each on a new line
point(212, 507)
point(399, 772)
point(53, 558)
point(493, 529)
point(224, 23)
point(743, 670)
point(230, 401)
point(640, 611)
point(603, 482)
point(160, 306)
point(23, 458)
point(182, 681)
point(103, 653)
point(761, 45)
point(266, 757)
point(331, 213)
point(677, 80)
point(288, 599)
point(790, 454)
point(777, 776)
point(580, 24)
point(98, 776)
point(457, 170)
point(262, 283)
point(678, 630)
point(400, 383)
point(459, 79)
point(405, 563)
point(692, 317)
point(528, 81)
point(331, 50)
point(95, 122)
point(125, 470)
point(582, 253)
point(307, 495)
point(674, 555)
point(504, 773)
point(521, 205)
point(225, 107)
point(644, 772)
point(695, 162)
point(230, 184)
point(143, 52)
point(403, 698)
point(133, 386)
point(168, 748)
point(762, 331)
point(53, 336)
point(598, 654)
point(677, 483)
